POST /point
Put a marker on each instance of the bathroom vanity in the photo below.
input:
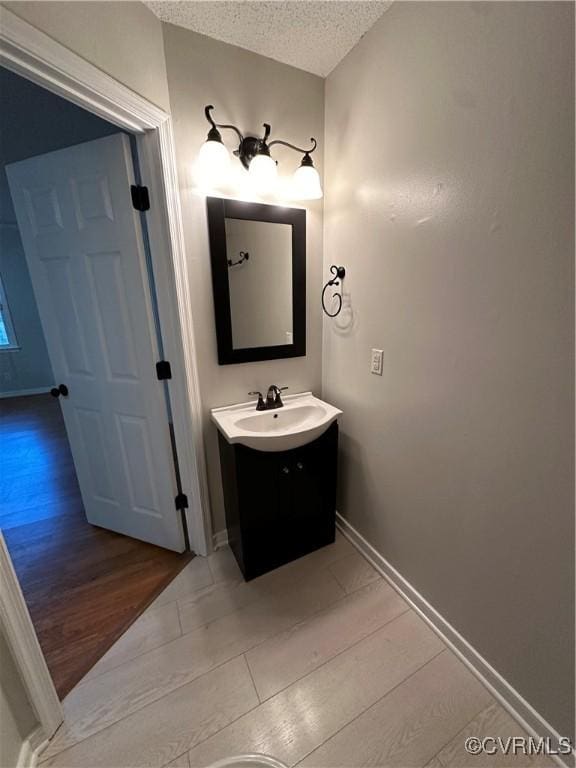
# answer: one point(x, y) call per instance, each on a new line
point(279, 480)
point(278, 459)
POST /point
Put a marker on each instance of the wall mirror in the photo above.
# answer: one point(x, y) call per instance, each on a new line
point(258, 256)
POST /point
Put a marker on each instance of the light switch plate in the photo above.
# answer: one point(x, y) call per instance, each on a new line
point(376, 362)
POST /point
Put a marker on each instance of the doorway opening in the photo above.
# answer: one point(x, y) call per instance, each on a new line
point(88, 480)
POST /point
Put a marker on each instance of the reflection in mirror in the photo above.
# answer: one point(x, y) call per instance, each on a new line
point(259, 259)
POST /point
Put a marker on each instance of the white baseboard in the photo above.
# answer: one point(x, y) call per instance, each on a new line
point(510, 699)
point(24, 392)
point(220, 539)
point(31, 749)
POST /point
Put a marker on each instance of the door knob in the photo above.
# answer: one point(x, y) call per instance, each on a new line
point(60, 390)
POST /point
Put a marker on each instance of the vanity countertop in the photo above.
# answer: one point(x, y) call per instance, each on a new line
point(301, 420)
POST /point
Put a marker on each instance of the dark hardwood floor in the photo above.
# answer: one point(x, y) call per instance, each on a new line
point(83, 585)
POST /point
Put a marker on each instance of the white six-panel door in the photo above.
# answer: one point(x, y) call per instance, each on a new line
point(85, 253)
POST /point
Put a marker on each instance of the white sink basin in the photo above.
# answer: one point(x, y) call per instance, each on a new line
point(302, 419)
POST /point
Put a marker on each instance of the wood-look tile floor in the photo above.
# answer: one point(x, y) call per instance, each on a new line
point(83, 585)
point(319, 663)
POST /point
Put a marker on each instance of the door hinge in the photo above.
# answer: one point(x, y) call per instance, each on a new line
point(163, 370)
point(181, 501)
point(140, 197)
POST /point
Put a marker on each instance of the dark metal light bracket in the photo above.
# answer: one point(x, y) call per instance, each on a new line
point(339, 274)
point(248, 149)
point(293, 146)
point(250, 146)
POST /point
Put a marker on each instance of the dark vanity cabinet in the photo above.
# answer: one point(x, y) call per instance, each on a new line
point(279, 506)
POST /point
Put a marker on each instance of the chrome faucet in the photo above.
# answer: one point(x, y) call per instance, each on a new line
point(273, 399)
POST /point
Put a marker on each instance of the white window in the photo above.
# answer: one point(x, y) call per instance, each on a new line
point(7, 336)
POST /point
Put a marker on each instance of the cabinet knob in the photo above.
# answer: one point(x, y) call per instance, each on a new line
point(299, 465)
point(286, 470)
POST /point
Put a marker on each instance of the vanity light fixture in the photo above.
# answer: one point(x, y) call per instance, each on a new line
point(254, 154)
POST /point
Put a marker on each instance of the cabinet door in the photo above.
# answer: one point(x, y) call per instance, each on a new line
point(314, 488)
point(265, 491)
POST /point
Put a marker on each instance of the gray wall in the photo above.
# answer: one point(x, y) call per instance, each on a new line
point(39, 122)
point(17, 718)
point(26, 369)
point(124, 39)
point(248, 90)
point(450, 200)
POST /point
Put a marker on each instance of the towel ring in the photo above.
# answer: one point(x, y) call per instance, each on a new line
point(339, 274)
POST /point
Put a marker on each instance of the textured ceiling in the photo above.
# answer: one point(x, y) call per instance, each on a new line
point(308, 34)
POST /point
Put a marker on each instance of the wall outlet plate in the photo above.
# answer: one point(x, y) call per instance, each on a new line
point(376, 362)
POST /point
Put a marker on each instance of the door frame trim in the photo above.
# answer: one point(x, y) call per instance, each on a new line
point(16, 625)
point(37, 57)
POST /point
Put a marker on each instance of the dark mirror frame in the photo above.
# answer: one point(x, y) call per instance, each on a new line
point(220, 209)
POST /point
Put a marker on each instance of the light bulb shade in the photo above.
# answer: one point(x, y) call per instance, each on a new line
point(263, 173)
point(213, 162)
point(306, 183)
